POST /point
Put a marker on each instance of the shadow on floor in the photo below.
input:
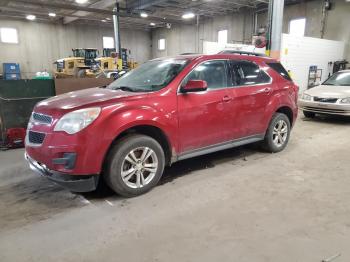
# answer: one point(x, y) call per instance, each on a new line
point(186, 167)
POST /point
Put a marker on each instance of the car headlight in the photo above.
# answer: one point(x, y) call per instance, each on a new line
point(306, 97)
point(345, 100)
point(76, 121)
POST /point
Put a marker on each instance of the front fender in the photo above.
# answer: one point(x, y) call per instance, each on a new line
point(121, 119)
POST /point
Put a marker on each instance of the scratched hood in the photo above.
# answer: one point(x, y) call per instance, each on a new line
point(84, 98)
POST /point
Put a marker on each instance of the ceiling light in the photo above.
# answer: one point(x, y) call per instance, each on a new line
point(108, 19)
point(152, 24)
point(81, 1)
point(31, 17)
point(52, 14)
point(188, 15)
point(104, 21)
point(144, 15)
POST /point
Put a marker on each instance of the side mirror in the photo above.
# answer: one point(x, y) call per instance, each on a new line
point(195, 86)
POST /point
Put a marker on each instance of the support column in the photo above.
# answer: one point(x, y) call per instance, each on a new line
point(275, 15)
point(116, 30)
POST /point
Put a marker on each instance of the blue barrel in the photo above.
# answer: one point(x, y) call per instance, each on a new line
point(11, 68)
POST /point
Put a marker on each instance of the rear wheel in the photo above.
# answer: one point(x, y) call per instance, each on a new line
point(277, 135)
point(308, 114)
point(135, 165)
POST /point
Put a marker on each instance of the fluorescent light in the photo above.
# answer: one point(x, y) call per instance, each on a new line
point(144, 15)
point(108, 19)
point(104, 21)
point(152, 24)
point(31, 17)
point(81, 1)
point(188, 15)
point(52, 14)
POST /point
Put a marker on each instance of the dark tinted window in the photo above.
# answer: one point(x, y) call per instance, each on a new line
point(247, 73)
point(280, 70)
point(213, 72)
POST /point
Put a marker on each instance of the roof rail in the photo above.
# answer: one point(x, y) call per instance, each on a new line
point(241, 53)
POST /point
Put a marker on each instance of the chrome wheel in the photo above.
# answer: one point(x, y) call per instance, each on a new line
point(280, 133)
point(139, 167)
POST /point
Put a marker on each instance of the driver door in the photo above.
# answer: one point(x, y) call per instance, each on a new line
point(203, 116)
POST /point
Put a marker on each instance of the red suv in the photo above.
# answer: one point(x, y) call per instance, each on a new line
point(166, 110)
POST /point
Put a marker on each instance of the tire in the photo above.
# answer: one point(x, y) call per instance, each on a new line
point(121, 159)
point(308, 114)
point(81, 73)
point(275, 139)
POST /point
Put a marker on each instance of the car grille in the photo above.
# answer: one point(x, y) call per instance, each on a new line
point(325, 110)
point(325, 100)
point(45, 119)
point(36, 137)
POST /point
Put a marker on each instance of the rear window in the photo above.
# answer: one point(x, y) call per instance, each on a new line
point(280, 70)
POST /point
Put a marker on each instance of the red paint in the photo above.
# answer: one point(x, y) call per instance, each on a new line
point(189, 120)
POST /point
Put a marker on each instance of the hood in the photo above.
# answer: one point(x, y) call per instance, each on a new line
point(83, 98)
point(327, 91)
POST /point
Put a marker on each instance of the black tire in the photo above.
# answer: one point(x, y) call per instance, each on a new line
point(308, 114)
point(116, 158)
point(81, 73)
point(269, 144)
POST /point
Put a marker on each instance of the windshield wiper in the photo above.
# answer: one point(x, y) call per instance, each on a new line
point(125, 88)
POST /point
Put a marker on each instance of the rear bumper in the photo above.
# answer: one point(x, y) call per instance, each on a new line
point(71, 182)
point(324, 108)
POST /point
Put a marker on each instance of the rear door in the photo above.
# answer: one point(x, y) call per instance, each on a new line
point(203, 116)
point(251, 92)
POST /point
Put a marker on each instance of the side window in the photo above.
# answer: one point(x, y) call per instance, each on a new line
point(247, 73)
point(213, 72)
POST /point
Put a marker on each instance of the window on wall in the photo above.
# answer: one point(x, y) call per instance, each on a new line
point(108, 42)
point(161, 44)
point(222, 37)
point(9, 35)
point(297, 27)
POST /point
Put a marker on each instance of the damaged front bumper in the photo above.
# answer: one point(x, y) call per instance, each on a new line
point(75, 183)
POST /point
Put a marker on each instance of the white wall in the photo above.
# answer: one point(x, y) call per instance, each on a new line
point(40, 44)
point(299, 53)
point(337, 23)
point(189, 38)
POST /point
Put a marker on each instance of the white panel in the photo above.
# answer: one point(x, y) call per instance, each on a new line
point(299, 53)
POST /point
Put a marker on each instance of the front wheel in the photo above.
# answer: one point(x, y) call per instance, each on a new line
point(277, 135)
point(135, 165)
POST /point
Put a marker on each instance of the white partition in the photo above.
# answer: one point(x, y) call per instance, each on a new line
point(299, 53)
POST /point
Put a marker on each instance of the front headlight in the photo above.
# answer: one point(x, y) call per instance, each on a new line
point(306, 97)
point(345, 100)
point(76, 121)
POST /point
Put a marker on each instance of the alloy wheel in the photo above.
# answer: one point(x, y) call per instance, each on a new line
point(139, 167)
point(280, 133)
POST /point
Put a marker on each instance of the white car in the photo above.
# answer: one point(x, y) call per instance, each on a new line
point(332, 97)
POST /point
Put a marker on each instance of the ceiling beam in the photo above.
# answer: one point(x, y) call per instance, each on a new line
point(88, 9)
point(99, 4)
point(142, 4)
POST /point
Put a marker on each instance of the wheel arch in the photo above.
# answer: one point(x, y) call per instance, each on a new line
point(148, 130)
point(288, 112)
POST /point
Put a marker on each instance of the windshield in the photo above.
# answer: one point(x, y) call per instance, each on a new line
point(338, 79)
point(151, 76)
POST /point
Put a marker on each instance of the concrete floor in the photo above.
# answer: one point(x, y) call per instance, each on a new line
point(238, 205)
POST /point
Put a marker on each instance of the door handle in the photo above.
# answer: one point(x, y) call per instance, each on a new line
point(267, 90)
point(226, 98)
